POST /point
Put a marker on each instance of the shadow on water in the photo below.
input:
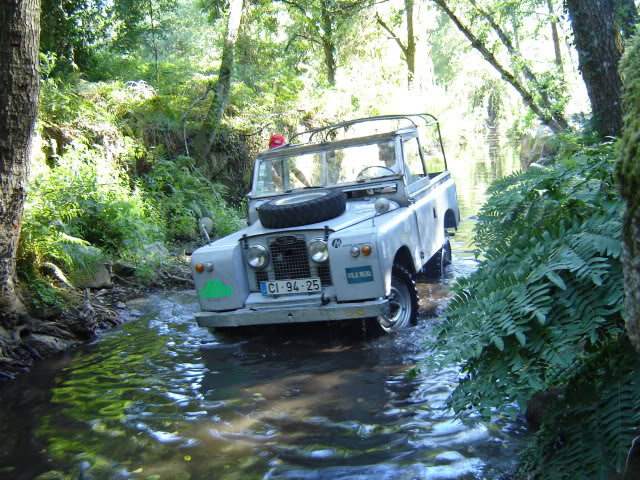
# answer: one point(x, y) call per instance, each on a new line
point(160, 398)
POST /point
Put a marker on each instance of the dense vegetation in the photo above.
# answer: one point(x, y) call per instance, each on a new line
point(151, 110)
point(101, 189)
point(541, 319)
point(129, 89)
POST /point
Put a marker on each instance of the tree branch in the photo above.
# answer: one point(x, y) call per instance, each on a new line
point(506, 41)
point(295, 5)
point(390, 32)
point(554, 123)
point(306, 37)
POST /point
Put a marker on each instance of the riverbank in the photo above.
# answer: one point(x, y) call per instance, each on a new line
point(45, 332)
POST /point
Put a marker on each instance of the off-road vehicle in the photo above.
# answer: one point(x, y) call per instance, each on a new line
point(339, 226)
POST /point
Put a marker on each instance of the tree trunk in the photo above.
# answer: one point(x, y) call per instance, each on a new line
point(19, 88)
point(555, 37)
point(554, 121)
point(599, 49)
point(211, 125)
point(628, 173)
point(328, 45)
point(410, 52)
point(408, 49)
point(153, 39)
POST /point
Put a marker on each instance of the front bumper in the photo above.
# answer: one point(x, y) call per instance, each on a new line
point(292, 309)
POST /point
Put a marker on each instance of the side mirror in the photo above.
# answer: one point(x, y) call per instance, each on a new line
point(205, 225)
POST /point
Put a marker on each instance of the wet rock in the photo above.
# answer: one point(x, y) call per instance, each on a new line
point(155, 250)
point(121, 305)
point(98, 278)
point(51, 475)
point(541, 405)
point(448, 457)
point(537, 148)
point(96, 274)
point(46, 345)
point(124, 269)
point(137, 302)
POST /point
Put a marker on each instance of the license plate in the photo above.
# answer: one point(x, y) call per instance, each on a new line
point(285, 287)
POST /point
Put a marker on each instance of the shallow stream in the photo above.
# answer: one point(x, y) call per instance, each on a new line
point(160, 398)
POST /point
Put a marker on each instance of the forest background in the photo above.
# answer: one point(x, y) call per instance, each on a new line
point(150, 112)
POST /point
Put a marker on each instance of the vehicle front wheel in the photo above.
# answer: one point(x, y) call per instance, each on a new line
point(403, 300)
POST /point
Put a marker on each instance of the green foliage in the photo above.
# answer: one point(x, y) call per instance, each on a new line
point(579, 187)
point(183, 195)
point(83, 201)
point(596, 426)
point(44, 295)
point(70, 31)
point(140, 21)
point(543, 312)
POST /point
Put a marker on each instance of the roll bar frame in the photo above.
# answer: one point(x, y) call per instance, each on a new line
point(328, 130)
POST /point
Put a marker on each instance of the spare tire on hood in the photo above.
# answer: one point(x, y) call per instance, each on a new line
point(302, 208)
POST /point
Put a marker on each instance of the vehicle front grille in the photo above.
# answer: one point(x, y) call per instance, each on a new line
point(325, 274)
point(290, 260)
point(261, 276)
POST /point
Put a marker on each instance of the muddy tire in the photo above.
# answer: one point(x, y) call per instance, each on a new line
point(403, 299)
point(302, 208)
point(443, 257)
point(438, 263)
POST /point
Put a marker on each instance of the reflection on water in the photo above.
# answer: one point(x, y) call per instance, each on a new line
point(475, 167)
point(160, 398)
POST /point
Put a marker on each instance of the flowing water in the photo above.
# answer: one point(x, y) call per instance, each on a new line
point(160, 398)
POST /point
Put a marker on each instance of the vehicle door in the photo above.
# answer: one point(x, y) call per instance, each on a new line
point(422, 198)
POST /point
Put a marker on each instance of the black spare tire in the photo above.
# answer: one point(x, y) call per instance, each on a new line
point(302, 208)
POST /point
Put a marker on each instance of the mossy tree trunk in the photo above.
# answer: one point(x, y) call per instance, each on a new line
point(19, 88)
point(211, 125)
point(599, 46)
point(629, 179)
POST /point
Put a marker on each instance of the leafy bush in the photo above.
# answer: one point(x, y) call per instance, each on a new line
point(543, 312)
point(183, 195)
point(83, 200)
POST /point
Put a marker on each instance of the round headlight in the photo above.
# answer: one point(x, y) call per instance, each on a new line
point(319, 251)
point(257, 256)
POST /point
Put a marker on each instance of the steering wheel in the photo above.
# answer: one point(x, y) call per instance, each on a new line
point(362, 176)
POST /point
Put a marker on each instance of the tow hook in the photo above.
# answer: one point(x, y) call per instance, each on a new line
point(324, 300)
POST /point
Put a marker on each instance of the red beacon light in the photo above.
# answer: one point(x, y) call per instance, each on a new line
point(276, 141)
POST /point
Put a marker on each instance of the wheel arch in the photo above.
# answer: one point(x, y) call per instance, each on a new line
point(403, 257)
point(450, 219)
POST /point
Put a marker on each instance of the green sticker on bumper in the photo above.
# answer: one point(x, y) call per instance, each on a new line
point(215, 289)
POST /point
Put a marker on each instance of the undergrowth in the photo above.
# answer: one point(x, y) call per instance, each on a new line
point(543, 313)
point(107, 180)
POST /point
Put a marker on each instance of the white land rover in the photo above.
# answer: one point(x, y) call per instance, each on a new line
point(337, 229)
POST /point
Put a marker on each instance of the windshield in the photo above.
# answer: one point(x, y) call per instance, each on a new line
point(329, 167)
